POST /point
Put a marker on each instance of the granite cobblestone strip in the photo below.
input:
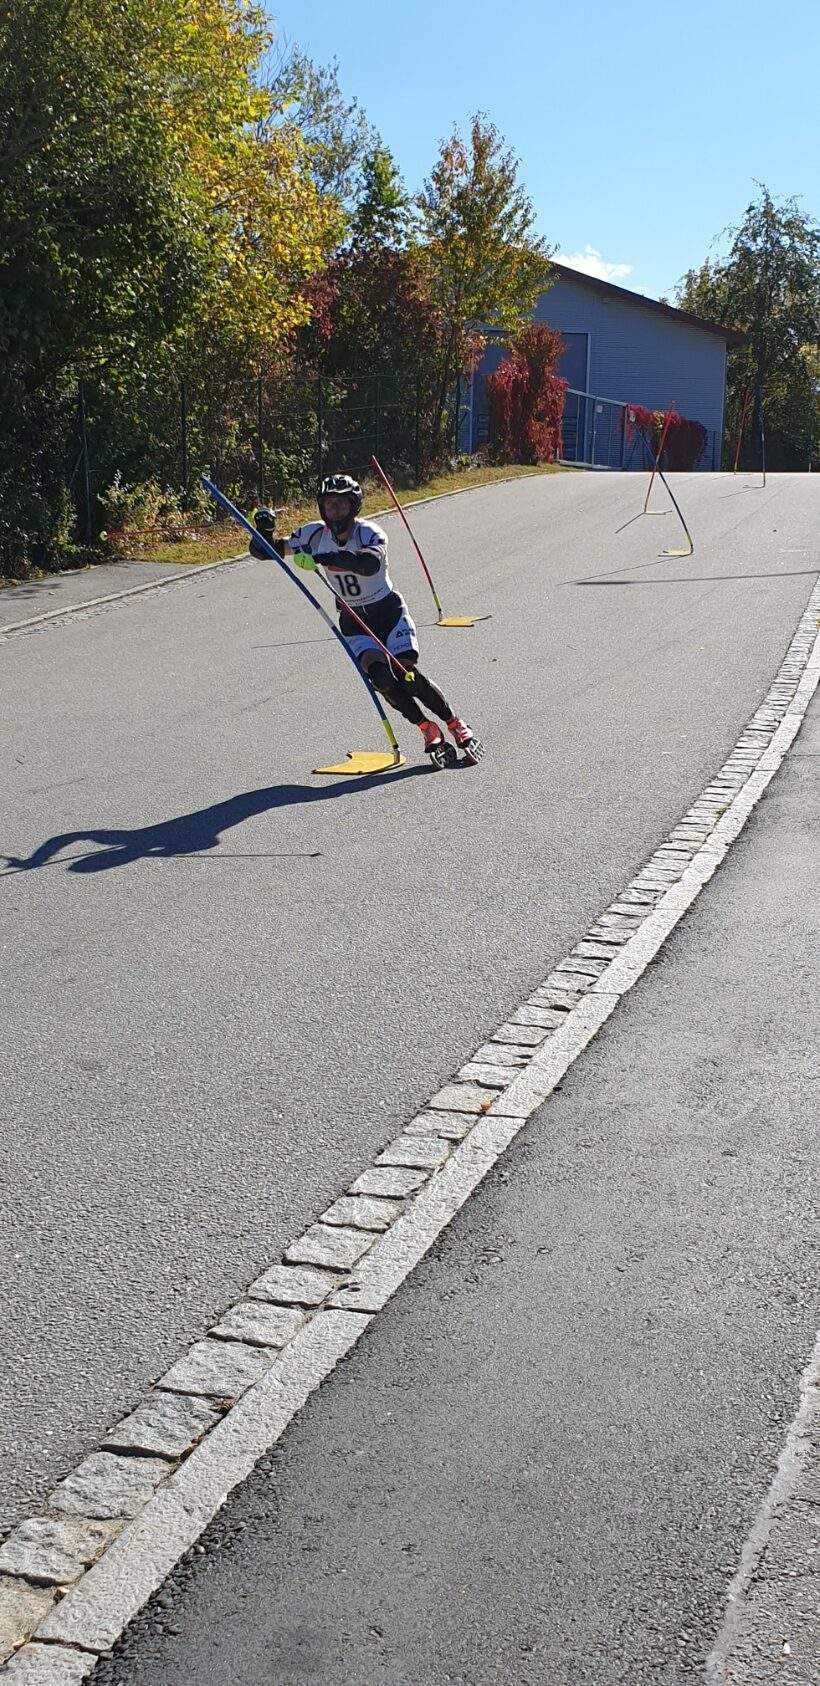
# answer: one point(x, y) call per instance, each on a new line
point(521, 1035)
point(293, 1285)
point(216, 1369)
point(452, 1126)
point(325, 1244)
point(54, 1550)
point(165, 1424)
point(361, 1211)
point(109, 1486)
point(94, 1613)
point(22, 1609)
point(389, 1179)
point(49, 1665)
point(258, 1323)
point(424, 1153)
point(463, 1129)
point(583, 965)
point(497, 1053)
point(490, 1076)
point(563, 999)
point(534, 1017)
point(461, 1097)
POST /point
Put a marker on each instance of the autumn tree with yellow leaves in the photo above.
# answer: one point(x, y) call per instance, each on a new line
point(153, 215)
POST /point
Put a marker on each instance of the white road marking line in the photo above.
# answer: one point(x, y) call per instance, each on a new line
point(92, 1614)
point(789, 1470)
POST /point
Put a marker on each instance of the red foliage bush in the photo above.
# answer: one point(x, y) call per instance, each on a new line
point(685, 440)
point(526, 398)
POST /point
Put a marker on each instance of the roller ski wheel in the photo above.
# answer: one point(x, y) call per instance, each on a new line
point(464, 739)
point(442, 755)
point(439, 752)
point(473, 752)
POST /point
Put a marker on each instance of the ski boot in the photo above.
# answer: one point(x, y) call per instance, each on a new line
point(465, 740)
point(441, 752)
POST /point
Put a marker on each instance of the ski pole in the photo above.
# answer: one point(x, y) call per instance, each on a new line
point(242, 521)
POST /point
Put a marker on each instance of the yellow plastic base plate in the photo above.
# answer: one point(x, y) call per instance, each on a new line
point(364, 761)
point(462, 620)
point(678, 552)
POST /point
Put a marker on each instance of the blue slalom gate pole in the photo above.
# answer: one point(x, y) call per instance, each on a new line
point(242, 521)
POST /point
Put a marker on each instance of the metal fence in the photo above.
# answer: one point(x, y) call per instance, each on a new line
point(269, 442)
point(595, 433)
point(264, 442)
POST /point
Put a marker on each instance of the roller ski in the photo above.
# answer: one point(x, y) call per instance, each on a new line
point(464, 739)
point(441, 753)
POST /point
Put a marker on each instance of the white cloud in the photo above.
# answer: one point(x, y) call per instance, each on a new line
point(590, 262)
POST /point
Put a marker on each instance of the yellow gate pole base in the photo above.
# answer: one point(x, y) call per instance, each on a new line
point(364, 761)
point(461, 620)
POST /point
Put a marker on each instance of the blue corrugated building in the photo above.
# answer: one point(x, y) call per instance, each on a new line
point(627, 349)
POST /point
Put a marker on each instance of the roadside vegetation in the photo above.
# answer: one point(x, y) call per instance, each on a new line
point(196, 539)
point(209, 261)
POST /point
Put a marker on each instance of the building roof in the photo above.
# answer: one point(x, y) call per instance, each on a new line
point(732, 336)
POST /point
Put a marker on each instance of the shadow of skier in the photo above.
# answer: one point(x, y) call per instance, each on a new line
point(194, 833)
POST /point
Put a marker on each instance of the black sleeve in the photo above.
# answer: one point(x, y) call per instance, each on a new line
point(367, 562)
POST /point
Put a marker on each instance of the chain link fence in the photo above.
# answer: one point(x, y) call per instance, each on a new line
point(261, 442)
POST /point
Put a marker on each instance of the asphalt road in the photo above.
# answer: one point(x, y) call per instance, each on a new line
point(225, 983)
point(540, 1464)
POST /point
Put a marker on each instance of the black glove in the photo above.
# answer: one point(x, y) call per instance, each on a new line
point(255, 547)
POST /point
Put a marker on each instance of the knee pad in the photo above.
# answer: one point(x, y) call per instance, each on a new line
point(392, 684)
point(380, 677)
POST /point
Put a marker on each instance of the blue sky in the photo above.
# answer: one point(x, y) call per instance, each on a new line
point(640, 128)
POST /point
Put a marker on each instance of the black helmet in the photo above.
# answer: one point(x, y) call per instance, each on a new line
point(342, 486)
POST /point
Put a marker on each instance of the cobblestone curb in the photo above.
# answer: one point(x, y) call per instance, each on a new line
point(72, 1579)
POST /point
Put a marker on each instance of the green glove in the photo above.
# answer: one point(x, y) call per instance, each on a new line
point(303, 559)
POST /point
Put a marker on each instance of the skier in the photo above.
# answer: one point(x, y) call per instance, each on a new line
point(353, 554)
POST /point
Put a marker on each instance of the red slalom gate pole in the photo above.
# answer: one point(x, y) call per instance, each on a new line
point(386, 483)
point(368, 630)
point(667, 421)
point(743, 412)
point(443, 620)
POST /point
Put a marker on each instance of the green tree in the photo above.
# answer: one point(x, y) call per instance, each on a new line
point(485, 261)
point(335, 131)
point(405, 298)
point(153, 217)
point(384, 213)
point(768, 286)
